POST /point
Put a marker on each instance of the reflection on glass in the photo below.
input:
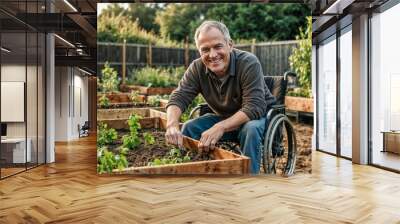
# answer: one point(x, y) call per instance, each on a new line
point(14, 153)
point(385, 86)
point(327, 96)
point(346, 93)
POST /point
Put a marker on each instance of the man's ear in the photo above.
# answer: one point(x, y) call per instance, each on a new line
point(230, 44)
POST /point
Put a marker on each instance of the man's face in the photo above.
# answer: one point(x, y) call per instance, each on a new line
point(214, 50)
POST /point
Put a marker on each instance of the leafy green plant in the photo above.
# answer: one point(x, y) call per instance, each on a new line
point(299, 92)
point(148, 138)
point(198, 100)
point(132, 140)
point(105, 135)
point(174, 156)
point(107, 160)
point(104, 101)
point(152, 77)
point(300, 60)
point(154, 100)
point(109, 79)
point(135, 97)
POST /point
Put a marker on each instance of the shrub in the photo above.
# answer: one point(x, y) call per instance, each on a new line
point(112, 28)
point(107, 160)
point(104, 101)
point(300, 60)
point(109, 79)
point(105, 135)
point(132, 140)
point(135, 97)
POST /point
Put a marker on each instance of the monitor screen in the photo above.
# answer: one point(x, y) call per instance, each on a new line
point(3, 129)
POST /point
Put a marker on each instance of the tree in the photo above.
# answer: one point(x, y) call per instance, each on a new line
point(145, 15)
point(264, 22)
point(177, 21)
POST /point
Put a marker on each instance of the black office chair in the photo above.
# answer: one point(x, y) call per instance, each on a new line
point(84, 130)
point(278, 153)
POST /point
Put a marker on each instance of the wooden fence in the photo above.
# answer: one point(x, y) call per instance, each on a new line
point(274, 56)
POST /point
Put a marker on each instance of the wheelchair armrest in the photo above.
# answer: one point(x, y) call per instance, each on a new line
point(194, 110)
point(275, 109)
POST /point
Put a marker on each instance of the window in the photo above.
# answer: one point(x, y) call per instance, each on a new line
point(385, 85)
point(327, 95)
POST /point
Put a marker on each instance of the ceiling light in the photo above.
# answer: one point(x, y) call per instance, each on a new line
point(64, 40)
point(337, 7)
point(70, 5)
point(84, 71)
point(5, 50)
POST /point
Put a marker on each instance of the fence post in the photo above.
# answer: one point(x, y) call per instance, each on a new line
point(124, 61)
point(253, 46)
point(149, 55)
point(187, 52)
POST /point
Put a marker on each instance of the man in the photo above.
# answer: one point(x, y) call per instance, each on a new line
point(231, 81)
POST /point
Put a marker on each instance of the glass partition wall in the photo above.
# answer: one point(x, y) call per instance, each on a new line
point(334, 103)
point(22, 77)
point(385, 89)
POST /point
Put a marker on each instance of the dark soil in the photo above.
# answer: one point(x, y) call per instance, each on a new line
point(148, 153)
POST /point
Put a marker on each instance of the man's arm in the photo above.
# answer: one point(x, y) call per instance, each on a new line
point(210, 137)
point(173, 134)
point(188, 89)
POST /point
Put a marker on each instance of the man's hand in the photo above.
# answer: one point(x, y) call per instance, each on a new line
point(210, 137)
point(174, 136)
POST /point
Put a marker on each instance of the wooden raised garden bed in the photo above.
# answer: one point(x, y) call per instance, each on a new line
point(147, 90)
point(124, 113)
point(120, 97)
point(219, 161)
point(163, 102)
point(300, 104)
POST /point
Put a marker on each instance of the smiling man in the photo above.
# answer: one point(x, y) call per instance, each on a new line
point(231, 81)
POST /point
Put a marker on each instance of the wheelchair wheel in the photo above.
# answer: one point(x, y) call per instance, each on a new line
point(279, 151)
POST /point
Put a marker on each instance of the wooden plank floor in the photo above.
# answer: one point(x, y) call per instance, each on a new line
point(70, 191)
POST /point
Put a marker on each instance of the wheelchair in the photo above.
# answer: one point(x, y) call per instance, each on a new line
point(279, 149)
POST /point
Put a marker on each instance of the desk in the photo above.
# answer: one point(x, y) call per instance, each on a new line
point(391, 141)
point(13, 150)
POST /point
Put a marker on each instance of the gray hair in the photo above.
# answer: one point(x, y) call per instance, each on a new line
point(206, 25)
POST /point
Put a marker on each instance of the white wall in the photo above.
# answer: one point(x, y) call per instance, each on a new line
point(71, 94)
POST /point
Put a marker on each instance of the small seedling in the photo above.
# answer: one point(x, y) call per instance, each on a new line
point(148, 138)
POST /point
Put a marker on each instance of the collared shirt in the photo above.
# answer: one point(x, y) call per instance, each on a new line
point(244, 88)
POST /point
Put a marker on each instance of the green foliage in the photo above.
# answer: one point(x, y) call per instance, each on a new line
point(132, 140)
point(300, 60)
point(135, 97)
point(170, 24)
point(107, 161)
point(264, 22)
point(198, 100)
point(104, 101)
point(154, 101)
point(117, 28)
point(174, 156)
point(109, 79)
point(148, 138)
point(153, 77)
point(300, 92)
point(105, 135)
